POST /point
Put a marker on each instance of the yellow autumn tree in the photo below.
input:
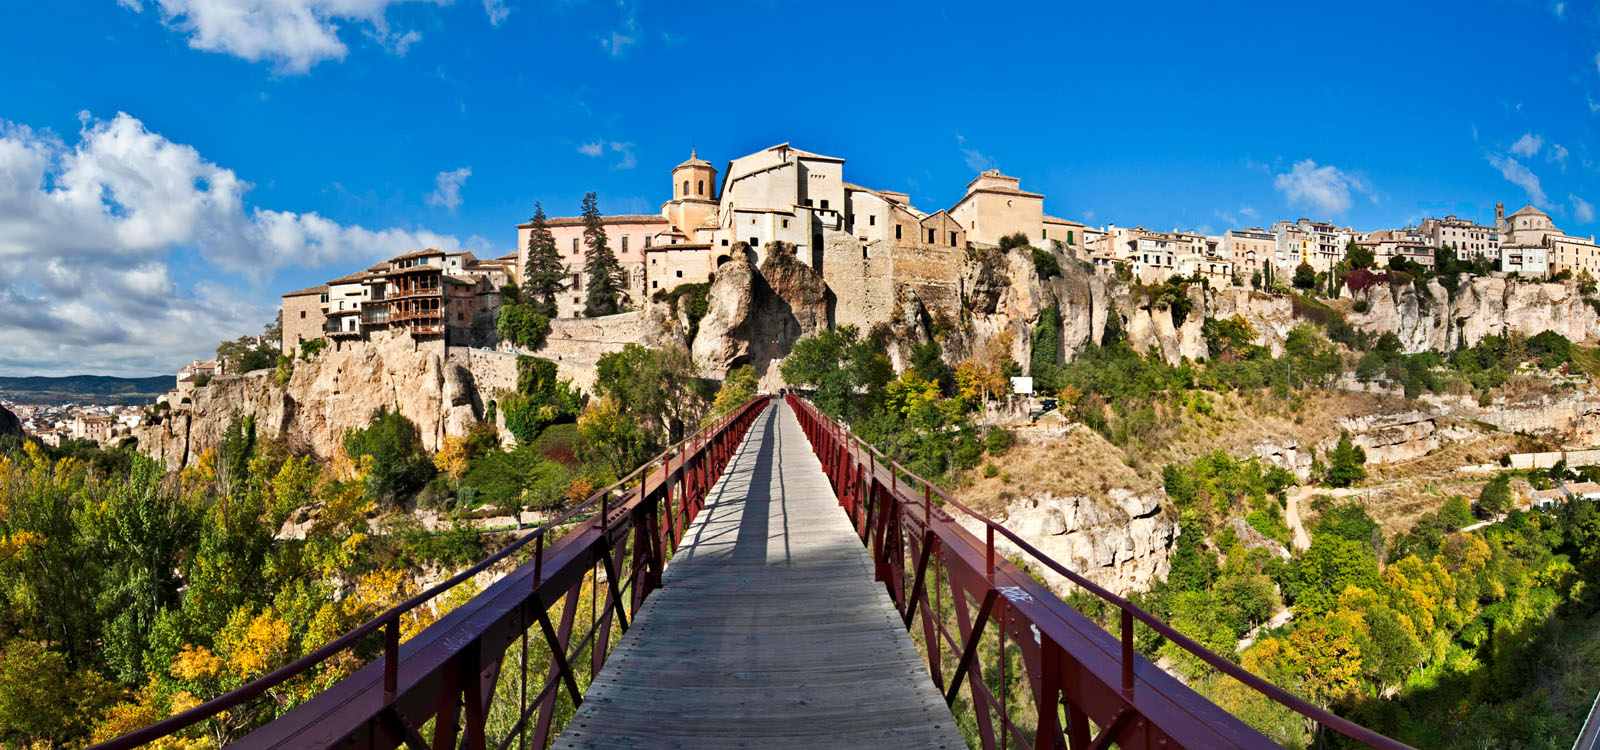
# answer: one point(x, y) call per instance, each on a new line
point(452, 457)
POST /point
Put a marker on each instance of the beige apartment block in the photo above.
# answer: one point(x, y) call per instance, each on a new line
point(669, 266)
point(1469, 239)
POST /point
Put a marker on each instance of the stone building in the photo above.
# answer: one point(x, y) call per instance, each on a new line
point(304, 313)
point(1250, 249)
point(996, 206)
point(1469, 240)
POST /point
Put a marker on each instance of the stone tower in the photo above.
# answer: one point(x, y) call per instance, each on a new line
point(694, 195)
point(1500, 217)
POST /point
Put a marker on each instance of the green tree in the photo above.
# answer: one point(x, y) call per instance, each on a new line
point(145, 532)
point(1495, 497)
point(735, 392)
point(927, 361)
point(1347, 463)
point(523, 325)
point(388, 452)
point(1305, 277)
point(1318, 577)
point(1359, 256)
point(544, 275)
point(606, 282)
point(660, 388)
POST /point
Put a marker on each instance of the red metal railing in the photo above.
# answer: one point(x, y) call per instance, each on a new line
point(1074, 672)
point(619, 538)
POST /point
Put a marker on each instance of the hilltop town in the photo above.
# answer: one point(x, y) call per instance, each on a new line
point(866, 244)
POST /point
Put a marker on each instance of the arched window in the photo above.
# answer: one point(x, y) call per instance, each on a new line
point(700, 187)
point(685, 187)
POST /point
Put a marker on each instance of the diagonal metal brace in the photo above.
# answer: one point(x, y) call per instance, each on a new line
point(970, 651)
point(558, 651)
point(919, 581)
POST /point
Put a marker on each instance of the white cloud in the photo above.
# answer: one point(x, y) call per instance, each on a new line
point(1519, 175)
point(976, 160)
point(1581, 210)
point(1527, 145)
point(620, 40)
point(1558, 155)
point(1560, 10)
point(447, 188)
point(1326, 189)
point(497, 10)
point(626, 150)
point(293, 34)
point(91, 234)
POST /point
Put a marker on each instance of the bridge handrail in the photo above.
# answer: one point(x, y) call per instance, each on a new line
point(1129, 610)
point(390, 617)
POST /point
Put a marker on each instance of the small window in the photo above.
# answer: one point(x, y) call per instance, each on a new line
point(808, 201)
point(1044, 234)
point(755, 242)
point(624, 243)
point(685, 187)
point(302, 313)
point(872, 221)
point(931, 234)
point(724, 243)
point(952, 239)
point(785, 223)
point(897, 231)
point(647, 240)
point(680, 274)
point(700, 187)
point(824, 202)
point(575, 280)
point(655, 284)
point(574, 300)
point(1069, 236)
point(574, 245)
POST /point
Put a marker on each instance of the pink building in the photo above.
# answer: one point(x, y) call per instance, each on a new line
point(627, 234)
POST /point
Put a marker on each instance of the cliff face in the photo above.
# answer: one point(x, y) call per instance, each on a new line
point(1480, 306)
point(1122, 542)
point(336, 391)
point(755, 315)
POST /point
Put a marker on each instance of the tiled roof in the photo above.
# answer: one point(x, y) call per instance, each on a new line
point(577, 221)
point(319, 289)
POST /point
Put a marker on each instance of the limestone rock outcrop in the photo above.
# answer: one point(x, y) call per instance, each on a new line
point(333, 392)
point(1480, 306)
point(755, 315)
point(1122, 542)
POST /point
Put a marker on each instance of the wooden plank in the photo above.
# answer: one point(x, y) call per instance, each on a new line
point(770, 629)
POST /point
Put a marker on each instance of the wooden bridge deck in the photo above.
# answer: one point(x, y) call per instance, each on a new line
point(770, 631)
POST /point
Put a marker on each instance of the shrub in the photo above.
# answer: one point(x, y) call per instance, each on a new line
point(990, 471)
point(202, 380)
point(999, 440)
point(523, 325)
point(1305, 277)
point(1044, 262)
point(1360, 306)
point(311, 348)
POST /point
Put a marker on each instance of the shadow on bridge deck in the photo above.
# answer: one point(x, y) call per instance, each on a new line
point(770, 630)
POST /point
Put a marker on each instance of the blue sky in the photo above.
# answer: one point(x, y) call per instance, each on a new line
point(168, 167)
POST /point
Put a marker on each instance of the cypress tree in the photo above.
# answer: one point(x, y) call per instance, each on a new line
point(544, 277)
point(605, 274)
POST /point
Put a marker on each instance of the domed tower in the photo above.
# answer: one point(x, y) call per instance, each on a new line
point(694, 195)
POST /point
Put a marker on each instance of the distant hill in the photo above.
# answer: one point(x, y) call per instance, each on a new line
point(98, 389)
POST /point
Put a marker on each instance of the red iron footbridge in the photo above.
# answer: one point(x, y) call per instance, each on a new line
point(769, 582)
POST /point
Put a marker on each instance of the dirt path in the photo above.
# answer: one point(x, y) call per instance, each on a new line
point(1301, 539)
